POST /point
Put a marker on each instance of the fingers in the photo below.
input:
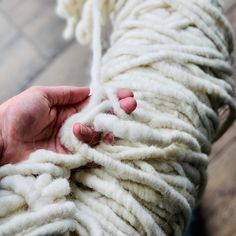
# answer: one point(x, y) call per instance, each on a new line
point(91, 137)
point(109, 138)
point(86, 134)
point(128, 104)
point(65, 95)
point(127, 101)
point(79, 106)
point(124, 93)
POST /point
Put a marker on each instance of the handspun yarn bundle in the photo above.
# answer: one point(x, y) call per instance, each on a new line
point(176, 57)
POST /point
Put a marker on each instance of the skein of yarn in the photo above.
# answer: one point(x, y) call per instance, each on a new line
point(176, 57)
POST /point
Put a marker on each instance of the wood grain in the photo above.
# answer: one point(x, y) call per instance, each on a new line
point(219, 202)
point(30, 40)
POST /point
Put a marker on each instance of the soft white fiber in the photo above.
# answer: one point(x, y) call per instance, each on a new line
point(176, 57)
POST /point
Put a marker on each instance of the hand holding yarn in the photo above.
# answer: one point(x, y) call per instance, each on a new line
point(32, 119)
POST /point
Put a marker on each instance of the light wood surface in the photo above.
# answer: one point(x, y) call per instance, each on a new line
point(219, 201)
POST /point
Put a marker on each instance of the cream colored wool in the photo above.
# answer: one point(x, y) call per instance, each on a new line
point(175, 56)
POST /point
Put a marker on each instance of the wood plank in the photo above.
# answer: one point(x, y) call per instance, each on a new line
point(8, 32)
point(30, 38)
point(18, 65)
point(229, 5)
point(24, 12)
point(45, 32)
point(8, 5)
point(219, 201)
point(70, 68)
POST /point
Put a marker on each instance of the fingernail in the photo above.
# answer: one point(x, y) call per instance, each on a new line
point(83, 129)
point(128, 104)
point(124, 93)
point(91, 91)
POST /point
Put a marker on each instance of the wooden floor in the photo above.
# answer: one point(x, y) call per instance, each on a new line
point(32, 52)
point(219, 201)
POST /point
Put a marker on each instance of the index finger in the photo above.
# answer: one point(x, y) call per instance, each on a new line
point(65, 95)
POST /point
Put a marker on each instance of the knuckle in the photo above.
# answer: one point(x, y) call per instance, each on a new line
point(37, 90)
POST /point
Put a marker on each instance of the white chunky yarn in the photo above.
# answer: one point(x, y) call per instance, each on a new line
point(175, 56)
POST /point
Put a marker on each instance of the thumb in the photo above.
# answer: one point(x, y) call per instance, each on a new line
point(65, 95)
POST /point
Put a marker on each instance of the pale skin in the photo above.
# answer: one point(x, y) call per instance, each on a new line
point(32, 120)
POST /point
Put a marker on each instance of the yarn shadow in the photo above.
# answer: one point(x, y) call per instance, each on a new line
point(198, 225)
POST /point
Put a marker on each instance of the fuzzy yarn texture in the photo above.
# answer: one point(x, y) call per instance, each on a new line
point(176, 57)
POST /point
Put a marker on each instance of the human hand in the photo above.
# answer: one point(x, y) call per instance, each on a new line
point(32, 120)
